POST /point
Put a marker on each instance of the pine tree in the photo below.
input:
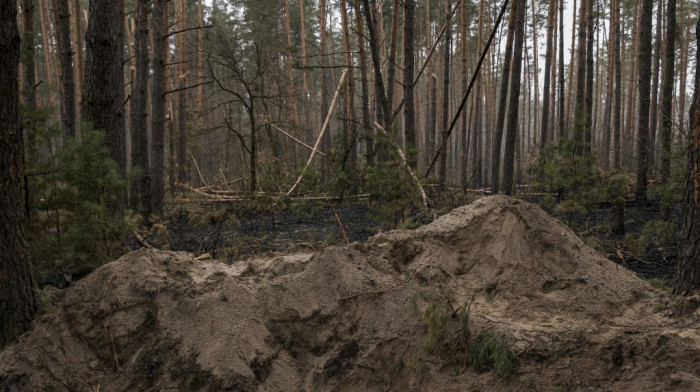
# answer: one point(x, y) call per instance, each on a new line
point(17, 298)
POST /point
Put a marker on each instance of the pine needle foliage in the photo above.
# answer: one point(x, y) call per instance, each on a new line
point(489, 349)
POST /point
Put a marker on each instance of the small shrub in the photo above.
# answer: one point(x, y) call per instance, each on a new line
point(216, 275)
point(562, 169)
point(392, 186)
point(436, 317)
point(659, 232)
point(489, 349)
point(636, 245)
point(660, 284)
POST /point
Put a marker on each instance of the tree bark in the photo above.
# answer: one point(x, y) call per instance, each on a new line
point(445, 93)
point(200, 62)
point(65, 49)
point(158, 28)
point(391, 61)
point(607, 114)
point(27, 54)
point(408, 66)
point(667, 92)
point(644, 72)
point(17, 297)
point(141, 184)
point(79, 58)
point(326, 140)
point(463, 154)
point(617, 108)
point(590, 73)
point(654, 107)
point(562, 119)
point(431, 125)
point(688, 267)
point(364, 82)
point(477, 114)
point(544, 131)
point(103, 97)
point(350, 142)
point(503, 100)
point(384, 112)
point(181, 145)
point(580, 104)
point(511, 132)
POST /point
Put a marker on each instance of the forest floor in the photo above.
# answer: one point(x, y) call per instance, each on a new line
point(495, 295)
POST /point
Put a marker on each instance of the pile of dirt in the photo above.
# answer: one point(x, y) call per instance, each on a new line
point(352, 318)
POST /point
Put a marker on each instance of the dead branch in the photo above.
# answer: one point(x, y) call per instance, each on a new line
point(142, 240)
point(185, 88)
point(295, 139)
point(197, 167)
point(187, 29)
point(340, 223)
point(320, 135)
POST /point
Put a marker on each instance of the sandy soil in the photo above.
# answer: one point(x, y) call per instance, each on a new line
point(350, 318)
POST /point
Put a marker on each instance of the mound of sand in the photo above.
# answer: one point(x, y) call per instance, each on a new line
point(349, 318)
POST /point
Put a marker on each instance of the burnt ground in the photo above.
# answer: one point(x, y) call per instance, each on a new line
point(649, 252)
point(235, 231)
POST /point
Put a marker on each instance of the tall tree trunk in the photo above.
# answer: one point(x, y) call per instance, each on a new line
point(430, 128)
point(572, 51)
point(562, 120)
point(445, 93)
point(325, 93)
point(159, 25)
point(644, 72)
point(291, 90)
point(253, 170)
point(511, 132)
point(182, 94)
point(303, 48)
point(654, 103)
point(103, 97)
point(688, 267)
point(27, 54)
point(607, 126)
point(590, 71)
point(200, 61)
point(350, 128)
point(17, 298)
point(384, 112)
point(547, 71)
point(617, 108)
point(667, 83)
point(684, 42)
point(580, 104)
point(391, 61)
point(632, 93)
point(536, 72)
point(464, 148)
point(364, 81)
point(477, 115)
point(409, 114)
point(79, 58)
point(503, 99)
point(141, 184)
point(48, 49)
